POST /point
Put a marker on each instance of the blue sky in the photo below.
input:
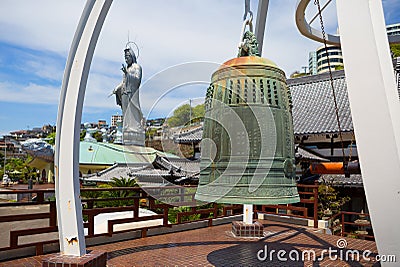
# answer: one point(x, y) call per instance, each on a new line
point(181, 43)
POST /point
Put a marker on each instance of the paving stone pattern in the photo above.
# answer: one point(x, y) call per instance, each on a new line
point(217, 246)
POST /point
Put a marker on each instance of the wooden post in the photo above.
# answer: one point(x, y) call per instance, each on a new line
point(342, 232)
point(315, 191)
point(136, 208)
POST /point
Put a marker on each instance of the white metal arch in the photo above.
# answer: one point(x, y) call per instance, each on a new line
point(308, 31)
point(316, 35)
point(66, 161)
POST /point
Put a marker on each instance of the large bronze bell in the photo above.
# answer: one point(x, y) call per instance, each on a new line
point(247, 152)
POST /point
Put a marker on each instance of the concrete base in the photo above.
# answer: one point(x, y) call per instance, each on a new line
point(91, 259)
point(241, 229)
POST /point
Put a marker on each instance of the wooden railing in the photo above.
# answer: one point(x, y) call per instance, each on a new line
point(307, 208)
point(93, 206)
point(351, 224)
point(95, 203)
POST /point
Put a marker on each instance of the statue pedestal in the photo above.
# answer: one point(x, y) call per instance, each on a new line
point(133, 138)
point(91, 259)
point(241, 229)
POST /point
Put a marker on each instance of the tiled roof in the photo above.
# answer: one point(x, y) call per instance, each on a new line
point(355, 180)
point(179, 167)
point(313, 107)
point(313, 104)
point(185, 164)
point(149, 173)
point(193, 135)
point(143, 174)
point(302, 153)
point(117, 170)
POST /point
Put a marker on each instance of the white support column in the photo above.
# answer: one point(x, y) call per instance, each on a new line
point(262, 12)
point(248, 213)
point(375, 109)
point(66, 163)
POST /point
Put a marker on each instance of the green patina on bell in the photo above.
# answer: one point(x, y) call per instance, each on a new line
point(247, 152)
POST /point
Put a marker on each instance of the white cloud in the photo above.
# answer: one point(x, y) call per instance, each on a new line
point(167, 32)
point(43, 24)
point(30, 93)
point(46, 68)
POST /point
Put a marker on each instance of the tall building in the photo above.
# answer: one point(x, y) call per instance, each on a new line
point(115, 118)
point(393, 29)
point(312, 62)
point(396, 65)
point(335, 58)
point(318, 60)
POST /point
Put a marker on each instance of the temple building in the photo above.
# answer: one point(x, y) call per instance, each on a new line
point(315, 129)
point(315, 126)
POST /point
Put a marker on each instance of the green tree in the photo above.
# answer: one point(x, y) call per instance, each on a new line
point(20, 166)
point(51, 138)
point(98, 136)
point(329, 202)
point(82, 135)
point(298, 74)
point(198, 113)
point(395, 48)
point(2, 159)
point(173, 214)
point(99, 195)
point(151, 132)
point(123, 182)
point(182, 117)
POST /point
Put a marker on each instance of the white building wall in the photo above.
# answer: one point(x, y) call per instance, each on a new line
point(393, 29)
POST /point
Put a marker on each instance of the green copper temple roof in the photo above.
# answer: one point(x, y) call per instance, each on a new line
point(109, 154)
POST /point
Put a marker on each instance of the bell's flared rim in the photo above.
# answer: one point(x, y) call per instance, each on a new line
point(248, 61)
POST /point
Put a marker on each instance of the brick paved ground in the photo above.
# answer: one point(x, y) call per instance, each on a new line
point(215, 246)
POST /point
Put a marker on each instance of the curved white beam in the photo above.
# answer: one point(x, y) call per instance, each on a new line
point(316, 35)
point(66, 163)
point(308, 31)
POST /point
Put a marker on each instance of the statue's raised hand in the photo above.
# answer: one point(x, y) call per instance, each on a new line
point(124, 69)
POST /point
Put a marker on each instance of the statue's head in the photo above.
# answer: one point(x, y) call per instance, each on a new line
point(130, 56)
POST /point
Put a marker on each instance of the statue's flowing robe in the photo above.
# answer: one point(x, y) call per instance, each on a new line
point(127, 95)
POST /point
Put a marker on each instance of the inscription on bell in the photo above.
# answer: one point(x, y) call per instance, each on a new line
point(249, 154)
